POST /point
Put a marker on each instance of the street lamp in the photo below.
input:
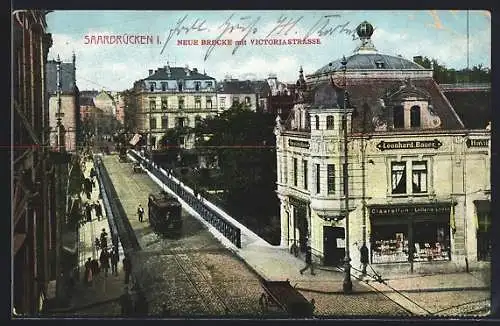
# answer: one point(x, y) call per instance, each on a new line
point(347, 284)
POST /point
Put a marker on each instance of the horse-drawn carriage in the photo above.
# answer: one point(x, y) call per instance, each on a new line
point(284, 297)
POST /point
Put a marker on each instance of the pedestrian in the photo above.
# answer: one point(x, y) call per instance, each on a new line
point(115, 258)
point(98, 210)
point(97, 243)
point(127, 268)
point(126, 302)
point(140, 212)
point(104, 240)
point(363, 257)
point(104, 260)
point(88, 212)
point(309, 263)
point(87, 275)
point(94, 266)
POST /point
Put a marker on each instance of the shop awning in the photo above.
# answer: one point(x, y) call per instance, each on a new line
point(135, 139)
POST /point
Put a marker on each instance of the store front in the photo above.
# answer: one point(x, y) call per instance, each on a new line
point(402, 233)
point(483, 233)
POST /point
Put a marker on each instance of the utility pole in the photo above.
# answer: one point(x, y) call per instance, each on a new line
point(347, 284)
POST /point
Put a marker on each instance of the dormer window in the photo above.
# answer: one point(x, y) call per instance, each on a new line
point(152, 87)
point(163, 86)
point(208, 84)
point(329, 122)
point(415, 116)
point(379, 64)
point(179, 85)
point(398, 116)
point(197, 85)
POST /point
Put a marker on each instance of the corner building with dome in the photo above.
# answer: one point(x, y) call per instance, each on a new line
point(418, 180)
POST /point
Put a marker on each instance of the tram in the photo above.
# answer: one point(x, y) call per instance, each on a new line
point(164, 213)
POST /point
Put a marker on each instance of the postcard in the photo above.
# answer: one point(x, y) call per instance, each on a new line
point(251, 164)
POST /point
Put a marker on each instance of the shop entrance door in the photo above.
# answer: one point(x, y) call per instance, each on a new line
point(333, 245)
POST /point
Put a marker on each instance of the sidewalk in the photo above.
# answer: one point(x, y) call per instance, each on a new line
point(439, 294)
point(100, 298)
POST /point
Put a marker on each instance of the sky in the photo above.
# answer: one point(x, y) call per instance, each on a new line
point(439, 34)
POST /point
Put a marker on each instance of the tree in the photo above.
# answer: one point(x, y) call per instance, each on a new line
point(243, 141)
point(443, 75)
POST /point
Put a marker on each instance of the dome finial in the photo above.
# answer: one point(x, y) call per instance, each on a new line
point(365, 31)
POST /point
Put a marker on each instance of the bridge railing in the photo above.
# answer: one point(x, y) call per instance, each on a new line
point(225, 227)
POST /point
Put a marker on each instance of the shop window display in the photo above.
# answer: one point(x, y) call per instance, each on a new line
point(391, 243)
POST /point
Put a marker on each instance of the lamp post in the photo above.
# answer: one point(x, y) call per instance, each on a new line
point(347, 284)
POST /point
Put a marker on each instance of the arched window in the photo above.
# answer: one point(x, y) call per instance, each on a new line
point(317, 122)
point(398, 117)
point(308, 121)
point(415, 116)
point(329, 122)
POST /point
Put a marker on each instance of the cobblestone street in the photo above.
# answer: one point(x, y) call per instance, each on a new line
point(196, 276)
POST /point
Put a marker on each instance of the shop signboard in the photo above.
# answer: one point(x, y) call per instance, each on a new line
point(298, 143)
point(409, 144)
point(426, 209)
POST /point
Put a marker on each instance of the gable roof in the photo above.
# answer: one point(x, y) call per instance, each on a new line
point(177, 73)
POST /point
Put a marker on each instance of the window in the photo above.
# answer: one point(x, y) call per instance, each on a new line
point(317, 122)
point(248, 101)
point(209, 84)
point(308, 121)
point(329, 122)
point(295, 171)
point(181, 102)
point(262, 104)
point(344, 122)
point(152, 104)
point(179, 85)
point(398, 176)
point(209, 102)
point(164, 103)
point(197, 102)
point(197, 85)
point(152, 123)
point(330, 175)
point(236, 101)
point(222, 102)
point(304, 164)
point(163, 86)
point(415, 116)
point(197, 120)
point(318, 179)
point(152, 87)
point(164, 122)
point(180, 122)
point(398, 117)
point(419, 177)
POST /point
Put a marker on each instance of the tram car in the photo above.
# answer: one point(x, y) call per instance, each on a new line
point(164, 213)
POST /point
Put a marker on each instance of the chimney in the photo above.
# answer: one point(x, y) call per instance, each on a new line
point(150, 72)
point(195, 70)
point(417, 58)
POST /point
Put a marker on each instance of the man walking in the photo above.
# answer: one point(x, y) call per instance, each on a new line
point(309, 263)
point(88, 212)
point(104, 260)
point(98, 210)
point(140, 212)
point(115, 258)
point(363, 257)
point(127, 268)
point(104, 240)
